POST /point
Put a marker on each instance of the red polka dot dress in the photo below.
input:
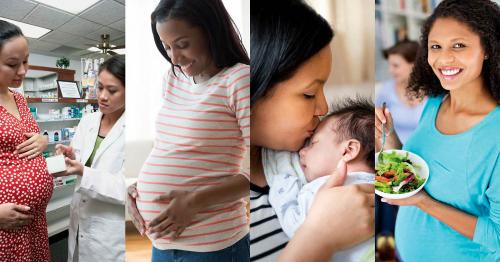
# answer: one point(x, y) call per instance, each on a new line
point(24, 182)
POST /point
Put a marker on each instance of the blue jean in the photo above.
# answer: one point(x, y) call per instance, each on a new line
point(239, 251)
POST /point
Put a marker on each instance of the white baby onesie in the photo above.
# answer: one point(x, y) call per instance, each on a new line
point(291, 196)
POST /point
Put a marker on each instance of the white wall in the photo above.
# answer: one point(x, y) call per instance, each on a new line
point(352, 47)
point(240, 13)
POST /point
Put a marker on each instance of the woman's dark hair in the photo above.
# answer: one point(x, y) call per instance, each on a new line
point(406, 49)
point(116, 66)
point(480, 16)
point(283, 35)
point(8, 31)
point(210, 15)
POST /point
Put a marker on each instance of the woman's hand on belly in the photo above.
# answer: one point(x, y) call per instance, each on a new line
point(132, 208)
point(457, 219)
point(179, 214)
point(32, 147)
point(14, 216)
point(184, 205)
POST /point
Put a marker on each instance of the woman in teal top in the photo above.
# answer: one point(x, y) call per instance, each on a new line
point(457, 216)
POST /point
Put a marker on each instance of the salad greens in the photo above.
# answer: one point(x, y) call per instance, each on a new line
point(396, 174)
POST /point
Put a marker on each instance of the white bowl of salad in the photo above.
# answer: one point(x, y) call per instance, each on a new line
point(401, 174)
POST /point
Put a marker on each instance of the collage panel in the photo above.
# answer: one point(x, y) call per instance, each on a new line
point(284, 130)
point(437, 122)
point(62, 129)
point(312, 127)
point(188, 130)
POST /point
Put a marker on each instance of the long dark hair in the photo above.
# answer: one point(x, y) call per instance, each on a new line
point(480, 16)
point(115, 66)
point(210, 15)
point(8, 31)
point(283, 35)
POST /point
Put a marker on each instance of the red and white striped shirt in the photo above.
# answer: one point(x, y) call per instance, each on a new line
point(202, 136)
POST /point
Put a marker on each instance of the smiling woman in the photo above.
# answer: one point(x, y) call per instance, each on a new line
point(456, 58)
point(202, 36)
point(187, 47)
point(471, 40)
point(458, 67)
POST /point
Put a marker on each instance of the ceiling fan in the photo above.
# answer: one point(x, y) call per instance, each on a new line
point(105, 47)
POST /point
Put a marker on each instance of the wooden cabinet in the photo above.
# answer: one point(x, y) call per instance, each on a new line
point(62, 74)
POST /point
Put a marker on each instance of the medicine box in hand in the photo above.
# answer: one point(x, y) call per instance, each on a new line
point(56, 164)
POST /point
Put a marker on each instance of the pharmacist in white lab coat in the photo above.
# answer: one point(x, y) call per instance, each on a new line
point(96, 156)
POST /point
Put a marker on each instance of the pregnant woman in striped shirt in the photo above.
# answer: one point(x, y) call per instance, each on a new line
point(191, 192)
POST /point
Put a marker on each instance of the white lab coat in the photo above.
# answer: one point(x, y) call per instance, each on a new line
point(98, 206)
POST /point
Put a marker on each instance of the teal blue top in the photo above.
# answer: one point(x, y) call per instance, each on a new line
point(464, 173)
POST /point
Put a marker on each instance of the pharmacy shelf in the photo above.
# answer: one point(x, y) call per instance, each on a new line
point(402, 18)
point(58, 226)
point(62, 195)
point(58, 204)
point(60, 142)
point(47, 88)
point(405, 13)
point(59, 207)
point(62, 100)
point(57, 120)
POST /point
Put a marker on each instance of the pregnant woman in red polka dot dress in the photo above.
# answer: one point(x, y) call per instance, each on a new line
point(25, 185)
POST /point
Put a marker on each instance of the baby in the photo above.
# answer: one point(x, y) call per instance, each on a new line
point(294, 178)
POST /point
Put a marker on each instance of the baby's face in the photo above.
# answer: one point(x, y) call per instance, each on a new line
point(320, 157)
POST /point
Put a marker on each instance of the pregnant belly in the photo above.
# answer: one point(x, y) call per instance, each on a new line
point(158, 178)
point(211, 224)
point(153, 183)
point(26, 182)
point(413, 230)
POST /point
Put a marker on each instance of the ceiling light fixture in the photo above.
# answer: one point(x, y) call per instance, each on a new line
point(74, 7)
point(31, 31)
